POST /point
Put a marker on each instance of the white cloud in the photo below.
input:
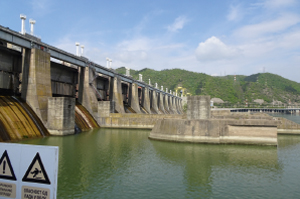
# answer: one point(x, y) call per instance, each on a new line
point(141, 43)
point(268, 27)
point(178, 24)
point(131, 56)
point(235, 13)
point(136, 49)
point(290, 40)
point(214, 49)
point(41, 7)
point(278, 3)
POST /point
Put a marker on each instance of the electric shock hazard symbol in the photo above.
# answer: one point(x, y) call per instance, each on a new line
point(36, 172)
point(6, 170)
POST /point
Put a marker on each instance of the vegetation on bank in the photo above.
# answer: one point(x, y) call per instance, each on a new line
point(269, 87)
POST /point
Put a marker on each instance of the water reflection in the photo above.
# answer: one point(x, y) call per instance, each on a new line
point(285, 141)
point(204, 164)
point(120, 163)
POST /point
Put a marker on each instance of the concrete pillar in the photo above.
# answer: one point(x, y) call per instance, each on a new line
point(161, 103)
point(115, 94)
point(32, 22)
point(127, 71)
point(174, 105)
point(170, 105)
point(146, 99)
point(134, 98)
point(36, 81)
point(26, 54)
point(166, 103)
point(180, 106)
point(61, 115)
point(198, 107)
point(153, 102)
point(104, 108)
point(86, 93)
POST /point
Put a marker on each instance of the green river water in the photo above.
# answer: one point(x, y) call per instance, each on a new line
point(120, 163)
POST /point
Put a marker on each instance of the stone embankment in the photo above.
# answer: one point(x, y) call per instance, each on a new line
point(205, 126)
point(138, 120)
point(286, 126)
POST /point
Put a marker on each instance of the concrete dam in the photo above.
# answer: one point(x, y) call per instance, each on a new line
point(63, 92)
point(47, 91)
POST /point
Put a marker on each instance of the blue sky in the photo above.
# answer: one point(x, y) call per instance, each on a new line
point(215, 37)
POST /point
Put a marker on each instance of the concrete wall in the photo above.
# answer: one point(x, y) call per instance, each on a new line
point(261, 132)
point(61, 115)
point(198, 107)
point(104, 108)
point(224, 114)
point(140, 121)
point(287, 127)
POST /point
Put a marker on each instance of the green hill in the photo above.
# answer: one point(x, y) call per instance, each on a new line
point(264, 86)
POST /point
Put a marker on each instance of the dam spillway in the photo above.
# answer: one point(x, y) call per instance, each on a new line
point(83, 119)
point(18, 121)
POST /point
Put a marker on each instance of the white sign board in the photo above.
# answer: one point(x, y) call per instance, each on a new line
point(28, 171)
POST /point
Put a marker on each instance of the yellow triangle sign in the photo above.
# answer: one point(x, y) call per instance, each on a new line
point(6, 170)
point(36, 172)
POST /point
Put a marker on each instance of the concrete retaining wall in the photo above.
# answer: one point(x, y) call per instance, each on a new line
point(287, 127)
point(61, 115)
point(140, 121)
point(198, 107)
point(260, 132)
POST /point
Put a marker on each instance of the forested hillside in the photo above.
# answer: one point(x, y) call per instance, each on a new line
point(266, 86)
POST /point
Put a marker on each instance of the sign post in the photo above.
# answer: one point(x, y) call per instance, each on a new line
point(28, 171)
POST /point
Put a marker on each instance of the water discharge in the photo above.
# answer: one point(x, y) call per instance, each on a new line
point(83, 118)
point(18, 121)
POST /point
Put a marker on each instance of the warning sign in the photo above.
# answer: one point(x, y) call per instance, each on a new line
point(36, 172)
point(28, 171)
point(35, 193)
point(7, 190)
point(6, 170)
